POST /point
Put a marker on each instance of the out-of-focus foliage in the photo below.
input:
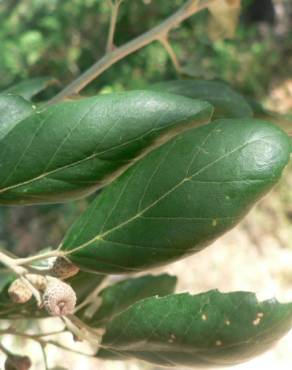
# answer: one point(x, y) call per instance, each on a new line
point(63, 38)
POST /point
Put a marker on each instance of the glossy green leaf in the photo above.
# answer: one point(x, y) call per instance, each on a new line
point(227, 102)
point(71, 149)
point(12, 110)
point(179, 198)
point(208, 329)
point(119, 296)
point(29, 88)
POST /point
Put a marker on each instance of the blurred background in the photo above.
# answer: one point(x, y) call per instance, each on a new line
point(61, 39)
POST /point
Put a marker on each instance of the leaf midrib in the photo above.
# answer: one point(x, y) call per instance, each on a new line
point(173, 130)
point(139, 214)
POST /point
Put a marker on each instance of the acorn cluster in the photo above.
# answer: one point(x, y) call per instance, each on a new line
point(59, 299)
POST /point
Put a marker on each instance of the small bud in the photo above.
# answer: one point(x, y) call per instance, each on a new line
point(63, 269)
point(59, 298)
point(19, 292)
point(14, 362)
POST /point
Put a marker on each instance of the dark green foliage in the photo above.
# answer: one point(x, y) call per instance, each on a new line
point(208, 329)
point(117, 297)
point(227, 102)
point(179, 198)
point(71, 149)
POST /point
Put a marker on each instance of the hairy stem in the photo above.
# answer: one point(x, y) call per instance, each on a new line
point(188, 9)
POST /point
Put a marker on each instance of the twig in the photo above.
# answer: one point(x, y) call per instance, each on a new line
point(43, 348)
point(44, 342)
point(191, 7)
point(115, 5)
point(92, 296)
point(21, 272)
point(83, 331)
point(166, 44)
point(5, 350)
point(41, 335)
point(10, 263)
point(38, 257)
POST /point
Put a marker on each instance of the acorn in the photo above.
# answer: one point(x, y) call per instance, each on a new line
point(14, 362)
point(63, 269)
point(19, 292)
point(59, 298)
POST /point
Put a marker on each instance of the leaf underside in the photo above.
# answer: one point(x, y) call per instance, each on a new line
point(179, 198)
point(29, 88)
point(119, 296)
point(208, 329)
point(227, 102)
point(70, 149)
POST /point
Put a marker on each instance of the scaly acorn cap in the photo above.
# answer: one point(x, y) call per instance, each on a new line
point(63, 269)
point(59, 298)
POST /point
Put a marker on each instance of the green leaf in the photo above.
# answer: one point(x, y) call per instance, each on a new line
point(123, 294)
point(71, 149)
point(226, 101)
point(113, 355)
point(180, 198)
point(208, 329)
point(29, 88)
point(84, 283)
point(12, 110)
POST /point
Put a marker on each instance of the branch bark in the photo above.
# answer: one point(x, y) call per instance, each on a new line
point(21, 272)
point(191, 7)
point(115, 6)
point(167, 46)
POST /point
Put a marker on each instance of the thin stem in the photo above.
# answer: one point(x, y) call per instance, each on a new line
point(113, 21)
point(44, 342)
point(83, 331)
point(21, 272)
point(43, 348)
point(10, 263)
point(5, 350)
point(38, 257)
point(34, 291)
point(93, 296)
point(48, 334)
point(173, 57)
point(188, 9)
